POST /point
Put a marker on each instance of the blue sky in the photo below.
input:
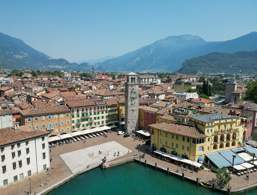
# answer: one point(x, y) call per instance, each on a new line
point(83, 29)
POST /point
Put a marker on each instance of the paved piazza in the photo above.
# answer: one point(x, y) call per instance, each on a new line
point(82, 160)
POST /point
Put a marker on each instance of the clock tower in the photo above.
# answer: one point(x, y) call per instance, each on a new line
point(132, 102)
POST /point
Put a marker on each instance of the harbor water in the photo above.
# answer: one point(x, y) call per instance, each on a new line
point(131, 178)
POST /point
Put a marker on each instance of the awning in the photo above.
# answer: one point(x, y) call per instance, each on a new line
point(245, 156)
point(54, 138)
point(87, 131)
point(77, 133)
point(247, 165)
point(190, 162)
point(183, 160)
point(65, 136)
point(239, 167)
point(145, 133)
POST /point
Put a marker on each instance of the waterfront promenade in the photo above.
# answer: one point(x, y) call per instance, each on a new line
point(60, 172)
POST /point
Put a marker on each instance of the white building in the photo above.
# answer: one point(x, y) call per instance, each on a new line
point(22, 154)
point(187, 96)
point(6, 120)
point(148, 79)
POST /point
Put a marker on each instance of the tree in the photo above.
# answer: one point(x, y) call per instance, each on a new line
point(206, 89)
point(251, 92)
point(222, 177)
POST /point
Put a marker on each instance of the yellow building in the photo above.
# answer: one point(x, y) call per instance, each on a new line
point(211, 132)
point(178, 140)
point(121, 113)
point(221, 131)
point(48, 116)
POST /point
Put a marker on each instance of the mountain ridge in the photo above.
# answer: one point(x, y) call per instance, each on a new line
point(16, 54)
point(168, 54)
point(217, 62)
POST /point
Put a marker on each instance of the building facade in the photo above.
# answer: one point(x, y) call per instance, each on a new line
point(147, 116)
point(87, 113)
point(6, 119)
point(22, 153)
point(112, 113)
point(209, 132)
point(179, 140)
point(53, 118)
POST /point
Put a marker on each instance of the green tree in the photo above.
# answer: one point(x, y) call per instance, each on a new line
point(206, 89)
point(222, 177)
point(251, 92)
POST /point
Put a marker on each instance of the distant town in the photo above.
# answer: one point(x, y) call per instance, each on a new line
point(56, 125)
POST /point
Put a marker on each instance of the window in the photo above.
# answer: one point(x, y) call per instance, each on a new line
point(44, 155)
point(44, 167)
point(28, 161)
point(43, 146)
point(2, 158)
point(13, 154)
point(19, 153)
point(5, 182)
point(27, 150)
point(27, 143)
point(43, 138)
point(18, 145)
point(12, 146)
point(2, 149)
point(15, 178)
point(3, 169)
point(14, 165)
point(20, 163)
point(29, 173)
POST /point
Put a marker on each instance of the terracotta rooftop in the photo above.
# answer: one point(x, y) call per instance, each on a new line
point(44, 108)
point(178, 129)
point(9, 136)
point(148, 108)
point(84, 103)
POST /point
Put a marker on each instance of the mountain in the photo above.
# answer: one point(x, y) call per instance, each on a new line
point(229, 63)
point(15, 54)
point(168, 54)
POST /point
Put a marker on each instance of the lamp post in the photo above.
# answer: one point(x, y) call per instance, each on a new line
point(253, 155)
point(233, 160)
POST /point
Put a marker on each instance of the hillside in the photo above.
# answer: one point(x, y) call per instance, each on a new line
point(169, 54)
point(239, 62)
point(15, 54)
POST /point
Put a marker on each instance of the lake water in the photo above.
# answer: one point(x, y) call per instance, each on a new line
point(131, 179)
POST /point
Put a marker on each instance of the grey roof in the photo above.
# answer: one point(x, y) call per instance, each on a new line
point(218, 160)
point(251, 149)
point(228, 155)
point(211, 117)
